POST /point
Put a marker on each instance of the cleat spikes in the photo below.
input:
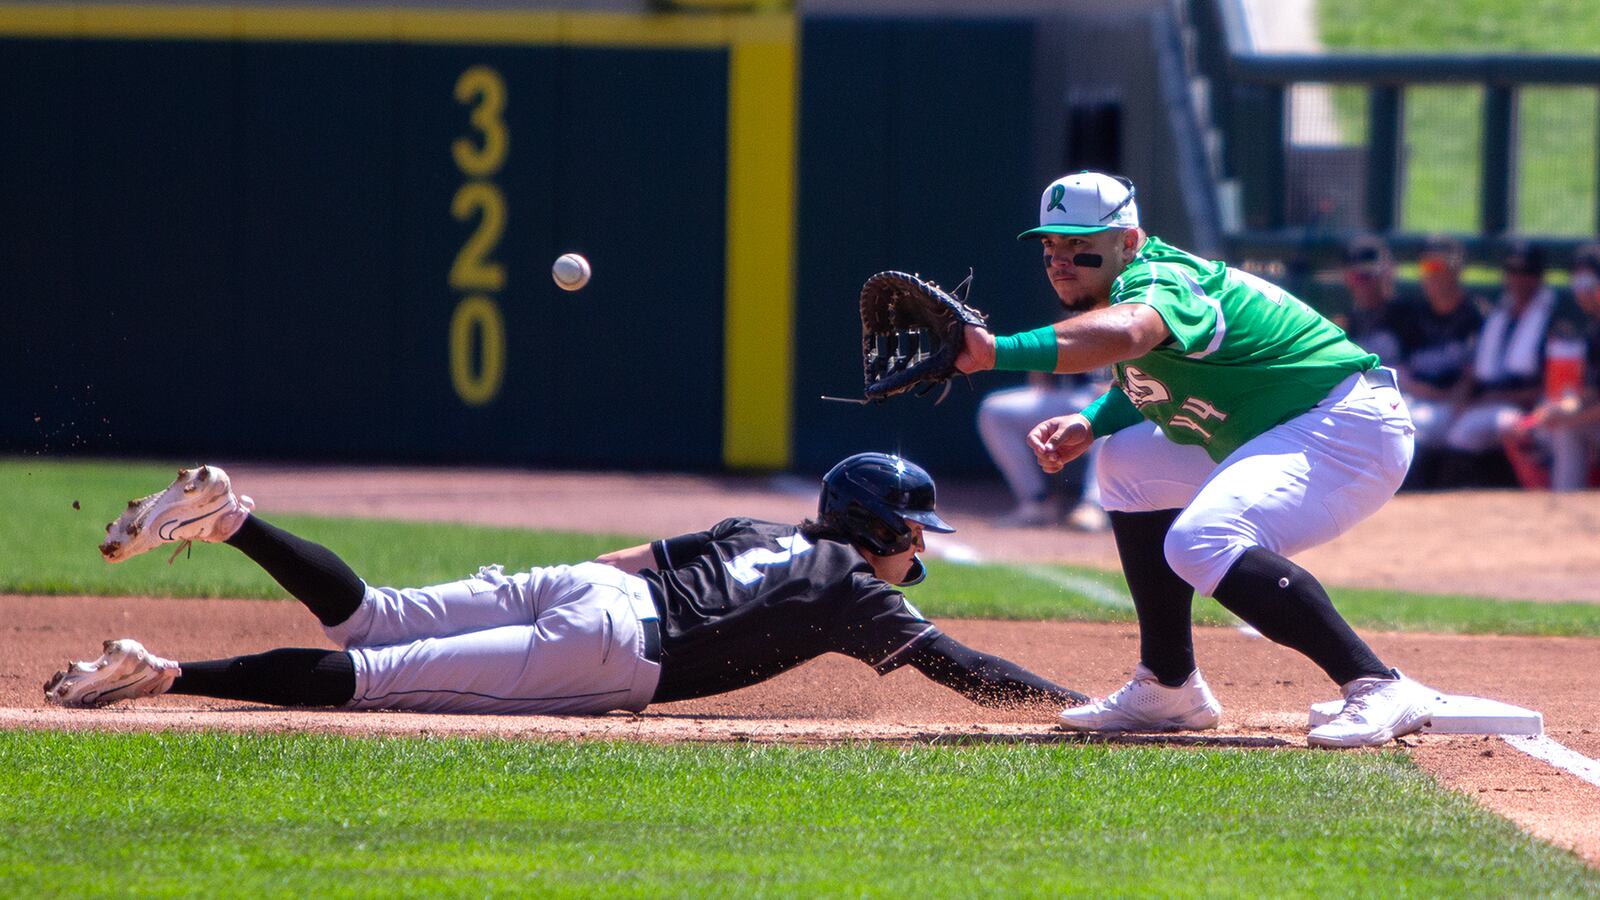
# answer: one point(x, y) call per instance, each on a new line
point(200, 506)
point(126, 670)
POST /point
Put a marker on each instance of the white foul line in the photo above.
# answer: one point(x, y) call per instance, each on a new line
point(1103, 594)
point(1552, 752)
point(1540, 747)
point(1092, 590)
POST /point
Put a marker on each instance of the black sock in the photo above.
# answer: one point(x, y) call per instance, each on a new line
point(311, 572)
point(1161, 599)
point(1287, 605)
point(287, 677)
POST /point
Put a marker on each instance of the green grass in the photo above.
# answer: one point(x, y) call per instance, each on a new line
point(54, 545)
point(1557, 133)
point(1531, 26)
point(54, 553)
point(240, 815)
point(1443, 129)
point(1556, 159)
point(1067, 592)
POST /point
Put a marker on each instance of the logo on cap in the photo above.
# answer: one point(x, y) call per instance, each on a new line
point(1085, 203)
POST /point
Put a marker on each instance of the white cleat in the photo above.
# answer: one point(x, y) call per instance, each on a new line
point(1145, 704)
point(199, 506)
point(1376, 711)
point(125, 671)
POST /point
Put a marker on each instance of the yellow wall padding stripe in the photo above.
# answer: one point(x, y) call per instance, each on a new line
point(431, 26)
point(759, 330)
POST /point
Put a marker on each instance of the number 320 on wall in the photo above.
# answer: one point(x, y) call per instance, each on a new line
point(475, 275)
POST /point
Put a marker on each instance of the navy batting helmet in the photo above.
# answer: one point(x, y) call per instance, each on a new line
point(871, 498)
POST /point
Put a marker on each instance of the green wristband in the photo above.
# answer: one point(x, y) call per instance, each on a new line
point(1111, 412)
point(1030, 351)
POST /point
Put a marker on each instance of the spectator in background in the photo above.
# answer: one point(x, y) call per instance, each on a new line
point(1369, 280)
point(1570, 425)
point(1507, 373)
point(1004, 419)
point(1434, 337)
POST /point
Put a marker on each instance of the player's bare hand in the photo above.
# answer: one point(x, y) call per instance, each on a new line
point(1060, 440)
point(978, 354)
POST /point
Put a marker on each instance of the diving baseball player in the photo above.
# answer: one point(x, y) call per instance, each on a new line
point(1242, 427)
point(674, 619)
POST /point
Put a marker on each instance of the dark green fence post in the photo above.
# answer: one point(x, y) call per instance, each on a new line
point(1495, 194)
point(1211, 55)
point(1257, 152)
point(1383, 154)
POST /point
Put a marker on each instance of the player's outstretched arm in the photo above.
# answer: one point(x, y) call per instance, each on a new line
point(987, 680)
point(1083, 343)
point(1103, 337)
point(977, 354)
point(630, 559)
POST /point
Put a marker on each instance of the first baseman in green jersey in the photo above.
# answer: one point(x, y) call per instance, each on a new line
point(1241, 428)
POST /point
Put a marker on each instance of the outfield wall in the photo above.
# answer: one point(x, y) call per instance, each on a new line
point(326, 233)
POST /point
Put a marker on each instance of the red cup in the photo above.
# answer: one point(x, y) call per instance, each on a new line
point(1563, 369)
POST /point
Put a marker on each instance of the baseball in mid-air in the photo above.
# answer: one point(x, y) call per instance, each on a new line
point(571, 271)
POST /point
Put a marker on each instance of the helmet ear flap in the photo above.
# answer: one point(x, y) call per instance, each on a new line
point(862, 526)
point(888, 536)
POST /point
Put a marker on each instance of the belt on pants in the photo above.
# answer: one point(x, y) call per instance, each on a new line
point(1381, 377)
point(642, 597)
point(652, 639)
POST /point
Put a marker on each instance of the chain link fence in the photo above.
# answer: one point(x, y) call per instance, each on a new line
point(1326, 156)
point(1555, 172)
point(1441, 158)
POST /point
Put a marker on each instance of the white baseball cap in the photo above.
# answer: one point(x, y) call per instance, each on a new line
point(1085, 203)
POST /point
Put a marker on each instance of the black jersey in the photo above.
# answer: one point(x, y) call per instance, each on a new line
point(1373, 331)
point(749, 599)
point(1437, 349)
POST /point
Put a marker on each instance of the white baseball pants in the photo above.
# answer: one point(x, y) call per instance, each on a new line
point(1433, 419)
point(1479, 429)
point(565, 640)
point(1571, 449)
point(1004, 420)
point(1297, 485)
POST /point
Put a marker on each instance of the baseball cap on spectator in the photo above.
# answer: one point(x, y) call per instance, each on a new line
point(1367, 253)
point(1524, 258)
point(1440, 252)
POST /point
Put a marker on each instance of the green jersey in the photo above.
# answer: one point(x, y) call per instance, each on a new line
point(1245, 354)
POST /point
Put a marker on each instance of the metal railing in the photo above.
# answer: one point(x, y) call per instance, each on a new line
point(1257, 103)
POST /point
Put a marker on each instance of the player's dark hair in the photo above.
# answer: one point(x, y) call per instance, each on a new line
point(813, 531)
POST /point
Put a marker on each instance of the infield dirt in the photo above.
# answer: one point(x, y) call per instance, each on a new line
point(1514, 545)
